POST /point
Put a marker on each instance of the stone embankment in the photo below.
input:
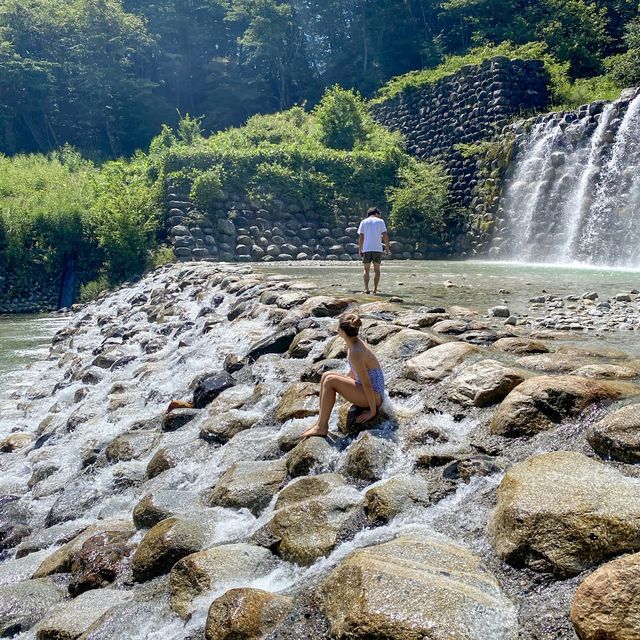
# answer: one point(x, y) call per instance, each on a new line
point(490, 500)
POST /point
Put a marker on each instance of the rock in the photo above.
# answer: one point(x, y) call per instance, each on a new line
point(315, 371)
point(450, 327)
point(335, 349)
point(98, 561)
point(520, 346)
point(376, 333)
point(245, 613)
point(68, 621)
point(324, 306)
point(388, 499)
point(483, 384)
point(308, 487)
point(25, 603)
point(499, 312)
point(162, 460)
point(209, 388)
point(220, 429)
point(606, 372)
point(348, 419)
point(249, 485)
point(413, 588)
point(16, 442)
point(304, 342)
point(178, 418)
point(438, 362)
point(617, 435)
point(368, 457)
point(406, 344)
point(607, 604)
point(160, 505)
point(300, 400)
point(308, 528)
point(277, 342)
point(131, 445)
point(311, 454)
point(60, 561)
point(562, 512)
point(540, 403)
point(209, 570)
point(163, 545)
point(73, 503)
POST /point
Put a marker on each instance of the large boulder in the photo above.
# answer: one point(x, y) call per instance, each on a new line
point(25, 603)
point(300, 400)
point(163, 545)
point(387, 499)
point(617, 435)
point(483, 384)
point(68, 621)
point(520, 346)
point(562, 512)
point(310, 455)
point(245, 613)
point(221, 428)
point(413, 588)
point(131, 445)
point(277, 342)
point(249, 485)
point(160, 505)
point(324, 306)
point(72, 503)
point(438, 362)
point(539, 404)
point(209, 388)
point(209, 570)
point(368, 457)
point(407, 344)
point(606, 605)
point(304, 342)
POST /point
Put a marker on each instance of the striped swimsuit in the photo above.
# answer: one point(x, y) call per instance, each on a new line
point(375, 376)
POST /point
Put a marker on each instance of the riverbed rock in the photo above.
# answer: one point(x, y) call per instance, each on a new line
point(16, 441)
point(277, 342)
point(210, 387)
point(520, 346)
point(541, 403)
point(325, 306)
point(562, 512)
point(25, 603)
point(413, 588)
point(160, 505)
point(163, 545)
point(304, 342)
point(73, 503)
point(406, 344)
point(387, 499)
point(300, 400)
point(483, 384)
point(245, 613)
point(178, 418)
point(67, 621)
point(438, 362)
point(617, 436)
point(210, 569)
point(607, 372)
point(220, 429)
point(368, 456)
point(131, 445)
point(348, 419)
point(308, 487)
point(313, 454)
point(606, 605)
point(249, 485)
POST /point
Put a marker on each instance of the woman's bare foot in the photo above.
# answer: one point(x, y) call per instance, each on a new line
point(314, 430)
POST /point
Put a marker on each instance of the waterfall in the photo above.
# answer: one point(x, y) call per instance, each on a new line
point(574, 190)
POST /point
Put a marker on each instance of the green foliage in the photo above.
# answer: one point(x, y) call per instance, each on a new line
point(92, 289)
point(207, 188)
point(419, 202)
point(342, 119)
point(624, 68)
point(162, 255)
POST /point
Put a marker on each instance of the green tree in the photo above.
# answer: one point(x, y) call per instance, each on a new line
point(342, 119)
point(624, 68)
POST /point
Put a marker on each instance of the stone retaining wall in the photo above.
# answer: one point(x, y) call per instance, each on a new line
point(38, 297)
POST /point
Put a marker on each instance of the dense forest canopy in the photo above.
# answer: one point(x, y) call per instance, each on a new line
point(104, 75)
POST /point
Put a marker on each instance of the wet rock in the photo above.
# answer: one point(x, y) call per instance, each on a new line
point(308, 487)
point(499, 311)
point(74, 502)
point(60, 561)
point(551, 362)
point(25, 603)
point(315, 371)
point(368, 457)
point(415, 588)
point(291, 299)
point(163, 545)
point(277, 342)
point(617, 436)
point(540, 403)
point(390, 498)
point(483, 384)
point(300, 400)
point(245, 613)
point(16, 442)
point(450, 327)
point(215, 567)
point(324, 306)
point(606, 372)
point(607, 604)
point(160, 505)
point(562, 513)
point(465, 467)
point(520, 346)
point(235, 398)
point(304, 342)
point(220, 429)
point(348, 419)
point(97, 563)
point(335, 349)
point(311, 454)
point(57, 535)
point(178, 418)
point(131, 445)
point(209, 388)
point(249, 485)
point(376, 333)
point(438, 362)
point(12, 534)
point(406, 344)
point(233, 363)
point(309, 528)
point(68, 621)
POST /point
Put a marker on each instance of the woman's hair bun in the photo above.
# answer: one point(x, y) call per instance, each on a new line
point(350, 320)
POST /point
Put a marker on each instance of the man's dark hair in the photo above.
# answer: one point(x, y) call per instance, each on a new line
point(373, 211)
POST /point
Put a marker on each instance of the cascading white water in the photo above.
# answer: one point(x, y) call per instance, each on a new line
point(574, 193)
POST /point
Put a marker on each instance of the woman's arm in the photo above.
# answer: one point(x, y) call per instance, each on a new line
point(358, 363)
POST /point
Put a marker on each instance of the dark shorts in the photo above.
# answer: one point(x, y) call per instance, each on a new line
point(372, 256)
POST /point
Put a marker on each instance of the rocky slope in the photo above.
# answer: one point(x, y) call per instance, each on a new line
point(494, 498)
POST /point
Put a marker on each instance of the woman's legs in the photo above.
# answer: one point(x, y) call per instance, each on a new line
point(330, 385)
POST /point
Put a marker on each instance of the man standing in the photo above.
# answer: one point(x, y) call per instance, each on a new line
point(372, 232)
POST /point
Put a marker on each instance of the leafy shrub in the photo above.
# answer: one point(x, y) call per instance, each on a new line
point(419, 201)
point(624, 68)
point(161, 256)
point(342, 119)
point(207, 188)
point(92, 289)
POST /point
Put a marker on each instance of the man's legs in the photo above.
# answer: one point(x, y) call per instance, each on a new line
point(365, 275)
point(376, 276)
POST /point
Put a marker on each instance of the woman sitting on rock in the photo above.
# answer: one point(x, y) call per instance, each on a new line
point(363, 386)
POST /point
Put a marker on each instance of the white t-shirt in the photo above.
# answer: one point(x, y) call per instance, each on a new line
point(372, 229)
